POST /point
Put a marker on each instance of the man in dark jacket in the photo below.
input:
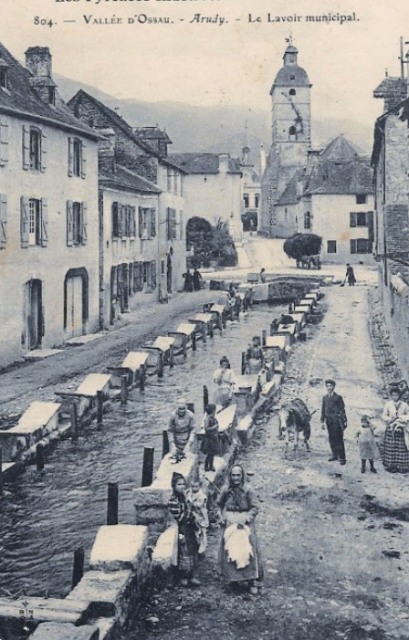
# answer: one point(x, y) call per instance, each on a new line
point(333, 415)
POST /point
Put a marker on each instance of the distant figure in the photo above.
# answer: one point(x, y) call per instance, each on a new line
point(254, 357)
point(211, 441)
point(181, 430)
point(188, 286)
point(197, 277)
point(251, 227)
point(350, 276)
point(263, 275)
point(224, 379)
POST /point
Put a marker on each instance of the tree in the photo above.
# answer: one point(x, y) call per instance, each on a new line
point(210, 244)
point(302, 245)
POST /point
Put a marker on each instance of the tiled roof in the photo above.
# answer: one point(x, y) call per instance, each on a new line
point(120, 123)
point(340, 149)
point(289, 195)
point(124, 179)
point(151, 133)
point(291, 75)
point(391, 85)
point(203, 162)
point(21, 100)
point(343, 178)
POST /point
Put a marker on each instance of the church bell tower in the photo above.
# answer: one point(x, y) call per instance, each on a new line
point(291, 110)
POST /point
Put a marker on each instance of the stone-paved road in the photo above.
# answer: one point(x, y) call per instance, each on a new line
point(335, 546)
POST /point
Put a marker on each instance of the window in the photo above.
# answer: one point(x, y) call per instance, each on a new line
point(331, 246)
point(246, 200)
point(175, 182)
point(115, 220)
point(130, 215)
point(137, 276)
point(256, 200)
point(76, 223)
point(307, 220)
point(35, 150)
point(34, 225)
point(4, 142)
point(292, 133)
point(170, 224)
point(51, 95)
point(169, 179)
point(359, 219)
point(147, 223)
point(76, 158)
point(361, 245)
point(4, 76)
point(361, 198)
point(292, 92)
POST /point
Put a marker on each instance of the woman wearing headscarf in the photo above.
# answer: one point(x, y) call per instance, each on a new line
point(239, 559)
point(395, 448)
point(187, 551)
point(224, 379)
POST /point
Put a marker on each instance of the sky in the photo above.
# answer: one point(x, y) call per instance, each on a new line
point(202, 63)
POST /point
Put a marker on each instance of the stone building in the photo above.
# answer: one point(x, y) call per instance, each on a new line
point(213, 188)
point(48, 212)
point(289, 152)
point(390, 160)
point(138, 155)
point(251, 192)
point(337, 203)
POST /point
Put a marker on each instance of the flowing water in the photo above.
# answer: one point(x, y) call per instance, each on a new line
point(46, 515)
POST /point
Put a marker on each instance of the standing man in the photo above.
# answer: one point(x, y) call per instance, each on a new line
point(333, 415)
point(181, 430)
point(350, 276)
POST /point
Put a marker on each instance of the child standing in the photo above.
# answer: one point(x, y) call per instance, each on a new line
point(182, 511)
point(211, 440)
point(368, 449)
point(198, 499)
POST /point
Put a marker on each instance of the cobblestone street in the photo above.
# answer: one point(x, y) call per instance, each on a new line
point(334, 541)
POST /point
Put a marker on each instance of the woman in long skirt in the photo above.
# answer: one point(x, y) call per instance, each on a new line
point(187, 552)
point(395, 448)
point(224, 379)
point(239, 558)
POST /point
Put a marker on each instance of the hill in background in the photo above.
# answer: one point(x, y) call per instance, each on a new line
point(216, 129)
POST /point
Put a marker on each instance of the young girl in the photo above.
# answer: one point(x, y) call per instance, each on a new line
point(198, 499)
point(368, 449)
point(224, 378)
point(181, 510)
point(211, 440)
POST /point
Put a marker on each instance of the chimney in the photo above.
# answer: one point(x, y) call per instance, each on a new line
point(106, 150)
point(224, 163)
point(39, 63)
point(263, 160)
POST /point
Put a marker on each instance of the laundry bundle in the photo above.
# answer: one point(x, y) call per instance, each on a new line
point(237, 545)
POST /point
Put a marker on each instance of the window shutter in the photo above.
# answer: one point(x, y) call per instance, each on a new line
point(140, 221)
point(70, 157)
point(26, 149)
point(352, 219)
point(84, 223)
point(83, 160)
point(167, 223)
point(173, 237)
point(181, 225)
point(24, 221)
point(133, 222)
point(4, 143)
point(115, 220)
point(3, 221)
point(153, 223)
point(122, 221)
point(70, 224)
point(153, 271)
point(43, 152)
point(44, 222)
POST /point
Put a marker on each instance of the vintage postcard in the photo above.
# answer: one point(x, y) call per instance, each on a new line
point(204, 283)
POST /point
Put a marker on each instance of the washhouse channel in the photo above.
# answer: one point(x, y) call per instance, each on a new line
point(45, 516)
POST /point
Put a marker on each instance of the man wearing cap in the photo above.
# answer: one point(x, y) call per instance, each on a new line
point(181, 430)
point(333, 415)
